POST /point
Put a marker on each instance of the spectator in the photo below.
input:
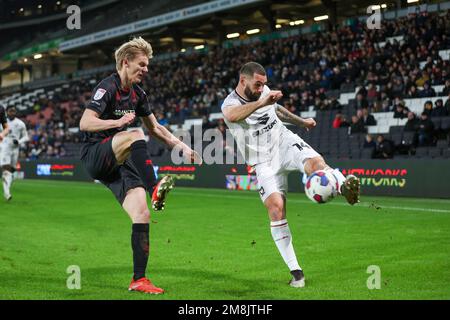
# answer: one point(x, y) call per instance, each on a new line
point(369, 142)
point(334, 104)
point(412, 92)
point(398, 87)
point(447, 104)
point(384, 148)
point(357, 125)
point(361, 101)
point(439, 109)
point(412, 124)
point(207, 124)
point(427, 91)
point(162, 119)
point(348, 85)
point(339, 121)
point(428, 108)
point(425, 131)
point(446, 90)
point(368, 119)
point(372, 92)
point(400, 111)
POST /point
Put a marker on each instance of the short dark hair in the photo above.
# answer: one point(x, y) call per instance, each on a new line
point(251, 68)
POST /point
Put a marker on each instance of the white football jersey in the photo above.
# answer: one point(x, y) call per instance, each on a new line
point(17, 131)
point(258, 136)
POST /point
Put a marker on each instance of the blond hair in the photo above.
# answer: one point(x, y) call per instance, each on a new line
point(130, 49)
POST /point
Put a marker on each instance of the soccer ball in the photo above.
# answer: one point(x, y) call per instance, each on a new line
point(321, 186)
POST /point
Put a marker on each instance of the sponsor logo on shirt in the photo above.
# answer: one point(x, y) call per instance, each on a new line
point(263, 119)
point(99, 94)
point(265, 129)
point(123, 112)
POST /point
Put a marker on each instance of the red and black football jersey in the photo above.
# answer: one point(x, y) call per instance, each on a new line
point(111, 102)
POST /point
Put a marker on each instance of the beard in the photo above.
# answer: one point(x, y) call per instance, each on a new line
point(250, 95)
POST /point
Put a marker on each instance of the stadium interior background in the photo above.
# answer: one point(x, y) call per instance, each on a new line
point(381, 96)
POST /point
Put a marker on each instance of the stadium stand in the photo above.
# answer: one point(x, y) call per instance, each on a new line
point(344, 70)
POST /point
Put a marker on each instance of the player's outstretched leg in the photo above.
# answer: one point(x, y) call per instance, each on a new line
point(135, 204)
point(282, 237)
point(349, 186)
point(133, 146)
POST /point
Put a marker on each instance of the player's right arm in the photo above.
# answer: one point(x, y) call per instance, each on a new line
point(101, 99)
point(91, 122)
point(236, 113)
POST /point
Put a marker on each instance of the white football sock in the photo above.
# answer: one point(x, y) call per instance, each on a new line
point(6, 179)
point(338, 175)
point(283, 239)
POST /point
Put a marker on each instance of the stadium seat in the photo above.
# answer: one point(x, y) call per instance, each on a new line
point(442, 144)
point(446, 153)
point(422, 152)
point(367, 153)
point(408, 138)
point(396, 130)
point(435, 152)
point(437, 122)
point(397, 138)
point(445, 123)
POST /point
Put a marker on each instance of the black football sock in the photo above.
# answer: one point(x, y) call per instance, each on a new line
point(140, 244)
point(141, 160)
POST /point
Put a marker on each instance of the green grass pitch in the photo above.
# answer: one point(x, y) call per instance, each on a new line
point(216, 244)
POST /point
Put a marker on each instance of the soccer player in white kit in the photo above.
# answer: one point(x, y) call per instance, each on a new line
point(256, 122)
point(10, 149)
point(4, 129)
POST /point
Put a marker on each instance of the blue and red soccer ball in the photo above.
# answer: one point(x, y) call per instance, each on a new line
point(321, 186)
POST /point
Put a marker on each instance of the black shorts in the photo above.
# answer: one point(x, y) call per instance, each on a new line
point(100, 162)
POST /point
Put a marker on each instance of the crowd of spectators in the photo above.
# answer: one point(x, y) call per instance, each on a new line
point(311, 70)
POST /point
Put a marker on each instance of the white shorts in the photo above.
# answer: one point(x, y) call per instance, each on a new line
point(9, 156)
point(273, 176)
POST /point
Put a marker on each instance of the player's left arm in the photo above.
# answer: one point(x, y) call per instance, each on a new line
point(160, 132)
point(286, 116)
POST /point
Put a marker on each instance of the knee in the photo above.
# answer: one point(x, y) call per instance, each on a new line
point(142, 216)
point(135, 135)
point(276, 210)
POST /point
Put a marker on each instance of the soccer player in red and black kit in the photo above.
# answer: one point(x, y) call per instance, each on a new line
point(119, 158)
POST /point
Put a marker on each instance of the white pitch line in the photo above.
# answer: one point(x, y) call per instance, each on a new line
point(331, 203)
point(257, 198)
